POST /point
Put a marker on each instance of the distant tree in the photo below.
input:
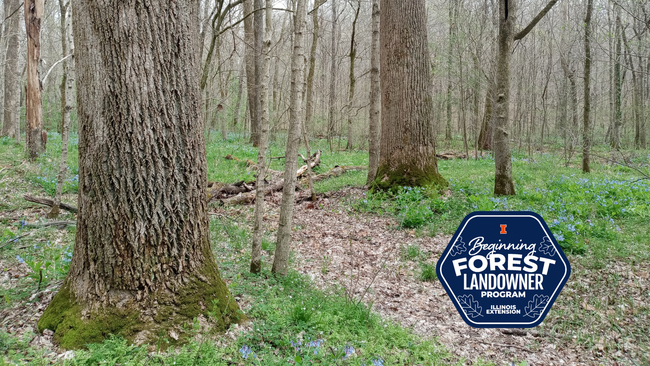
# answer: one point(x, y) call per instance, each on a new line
point(35, 142)
point(503, 183)
point(142, 265)
point(11, 124)
point(586, 141)
point(375, 96)
point(408, 154)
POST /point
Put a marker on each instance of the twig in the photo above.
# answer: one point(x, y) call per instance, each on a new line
point(506, 345)
point(13, 240)
point(52, 223)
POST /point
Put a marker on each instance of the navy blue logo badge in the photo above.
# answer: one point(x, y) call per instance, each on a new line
point(503, 269)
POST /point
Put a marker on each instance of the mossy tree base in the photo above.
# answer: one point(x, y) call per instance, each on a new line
point(161, 316)
point(405, 175)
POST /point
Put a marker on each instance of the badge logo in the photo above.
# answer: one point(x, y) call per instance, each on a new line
point(503, 269)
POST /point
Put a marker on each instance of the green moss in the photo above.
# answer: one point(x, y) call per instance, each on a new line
point(63, 316)
point(204, 295)
point(406, 175)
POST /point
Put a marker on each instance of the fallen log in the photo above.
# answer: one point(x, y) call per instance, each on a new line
point(334, 172)
point(59, 224)
point(313, 162)
point(249, 197)
point(49, 202)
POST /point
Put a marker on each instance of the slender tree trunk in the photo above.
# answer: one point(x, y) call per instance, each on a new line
point(12, 90)
point(331, 122)
point(618, 114)
point(249, 55)
point(450, 52)
point(63, 8)
point(408, 154)
point(259, 45)
point(375, 95)
point(309, 104)
point(353, 80)
point(586, 141)
point(240, 89)
point(258, 227)
point(35, 143)
point(503, 183)
point(142, 265)
point(283, 246)
point(65, 131)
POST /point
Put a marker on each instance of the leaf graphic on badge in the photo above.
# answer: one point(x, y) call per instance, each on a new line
point(470, 306)
point(536, 305)
point(547, 247)
point(459, 247)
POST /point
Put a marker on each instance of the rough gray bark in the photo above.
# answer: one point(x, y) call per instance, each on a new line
point(375, 95)
point(452, 25)
point(142, 265)
point(258, 226)
point(35, 144)
point(586, 141)
point(282, 249)
point(408, 156)
point(11, 124)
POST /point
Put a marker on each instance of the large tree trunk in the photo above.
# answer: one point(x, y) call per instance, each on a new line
point(375, 95)
point(282, 249)
point(503, 183)
point(11, 125)
point(408, 156)
point(35, 143)
point(586, 142)
point(142, 265)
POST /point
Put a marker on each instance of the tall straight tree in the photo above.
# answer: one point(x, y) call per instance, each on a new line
point(11, 124)
point(503, 183)
point(375, 97)
point(282, 249)
point(142, 265)
point(586, 141)
point(249, 55)
point(353, 80)
point(258, 227)
point(35, 143)
point(408, 154)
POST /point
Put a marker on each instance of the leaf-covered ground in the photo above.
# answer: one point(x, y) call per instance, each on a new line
point(601, 316)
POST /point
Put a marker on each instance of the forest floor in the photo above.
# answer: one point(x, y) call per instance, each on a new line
point(354, 251)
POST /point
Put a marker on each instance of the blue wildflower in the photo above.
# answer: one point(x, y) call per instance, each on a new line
point(246, 351)
point(377, 362)
point(348, 351)
point(19, 259)
point(559, 237)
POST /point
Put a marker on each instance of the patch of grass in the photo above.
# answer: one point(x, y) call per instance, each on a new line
point(428, 272)
point(411, 252)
